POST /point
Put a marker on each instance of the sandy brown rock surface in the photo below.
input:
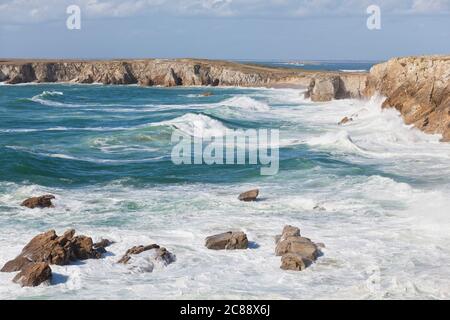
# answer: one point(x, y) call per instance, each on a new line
point(419, 88)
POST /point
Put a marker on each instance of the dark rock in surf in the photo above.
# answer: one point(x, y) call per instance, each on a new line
point(34, 274)
point(249, 195)
point(297, 252)
point(53, 249)
point(227, 241)
point(143, 258)
point(39, 202)
point(102, 245)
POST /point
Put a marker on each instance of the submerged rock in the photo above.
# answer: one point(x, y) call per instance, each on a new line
point(207, 94)
point(227, 241)
point(297, 252)
point(33, 274)
point(39, 202)
point(249, 195)
point(143, 258)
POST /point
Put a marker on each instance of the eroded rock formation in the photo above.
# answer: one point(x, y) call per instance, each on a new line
point(48, 248)
point(39, 202)
point(249, 196)
point(144, 258)
point(297, 253)
point(418, 87)
point(227, 241)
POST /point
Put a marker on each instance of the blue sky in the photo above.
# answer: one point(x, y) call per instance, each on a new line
point(224, 29)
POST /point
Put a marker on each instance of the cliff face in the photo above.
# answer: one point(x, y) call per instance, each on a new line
point(418, 87)
point(178, 72)
point(160, 72)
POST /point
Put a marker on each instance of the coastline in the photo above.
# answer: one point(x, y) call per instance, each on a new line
point(405, 82)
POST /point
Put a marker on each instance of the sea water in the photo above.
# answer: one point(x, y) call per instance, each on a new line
point(374, 191)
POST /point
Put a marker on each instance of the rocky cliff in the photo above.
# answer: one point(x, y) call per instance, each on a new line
point(177, 72)
point(418, 87)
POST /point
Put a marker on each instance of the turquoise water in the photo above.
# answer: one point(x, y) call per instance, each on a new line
point(374, 191)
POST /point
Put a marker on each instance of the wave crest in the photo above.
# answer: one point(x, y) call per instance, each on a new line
point(247, 103)
point(196, 125)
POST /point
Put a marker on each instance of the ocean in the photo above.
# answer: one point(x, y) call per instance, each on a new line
point(374, 191)
point(320, 65)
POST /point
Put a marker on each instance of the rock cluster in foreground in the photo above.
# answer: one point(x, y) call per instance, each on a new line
point(46, 249)
point(297, 253)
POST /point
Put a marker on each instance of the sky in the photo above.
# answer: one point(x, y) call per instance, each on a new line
point(224, 29)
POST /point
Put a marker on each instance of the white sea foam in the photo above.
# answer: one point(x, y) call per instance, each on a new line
point(196, 125)
point(382, 213)
point(246, 103)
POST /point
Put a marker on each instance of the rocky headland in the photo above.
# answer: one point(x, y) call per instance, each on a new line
point(418, 87)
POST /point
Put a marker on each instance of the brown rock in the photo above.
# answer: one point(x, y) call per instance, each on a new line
point(34, 274)
point(227, 241)
point(249, 195)
point(15, 265)
point(288, 231)
point(207, 94)
point(101, 245)
point(419, 88)
point(160, 254)
point(39, 202)
point(345, 120)
point(82, 248)
point(48, 247)
point(297, 252)
point(294, 262)
point(163, 255)
point(136, 250)
point(298, 245)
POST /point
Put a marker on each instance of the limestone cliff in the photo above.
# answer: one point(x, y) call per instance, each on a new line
point(176, 72)
point(418, 87)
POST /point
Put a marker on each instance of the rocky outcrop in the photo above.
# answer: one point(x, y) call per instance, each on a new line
point(419, 88)
point(53, 249)
point(297, 252)
point(39, 202)
point(329, 86)
point(227, 241)
point(249, 196)
point(143, 258)
point(33, 263)
point(34, 274)
point(168, 73)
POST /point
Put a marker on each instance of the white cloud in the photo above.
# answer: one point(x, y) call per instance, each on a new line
point(31, 11)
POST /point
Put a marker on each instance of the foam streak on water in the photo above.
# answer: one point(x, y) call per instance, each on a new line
point(104, 152)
